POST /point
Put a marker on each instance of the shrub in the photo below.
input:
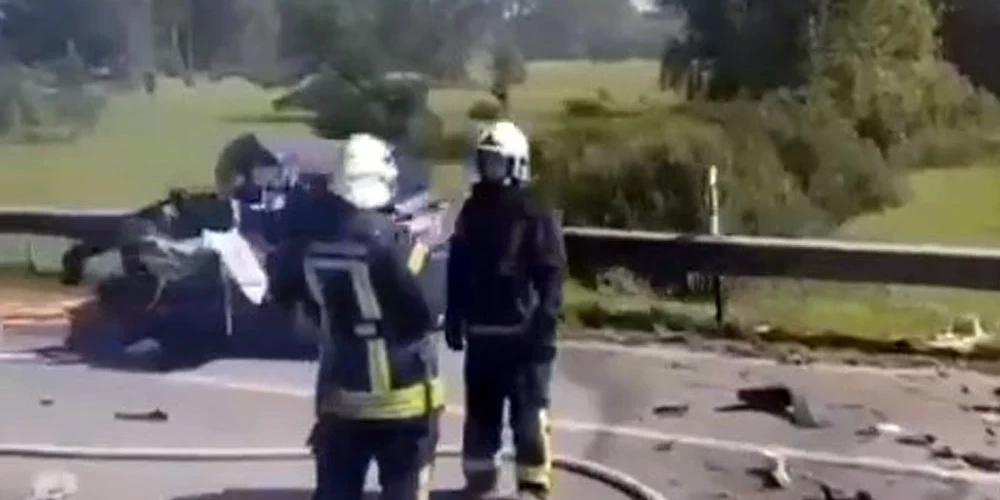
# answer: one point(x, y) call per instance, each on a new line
point(484, 110)
point(787, 168)
point(942, 147)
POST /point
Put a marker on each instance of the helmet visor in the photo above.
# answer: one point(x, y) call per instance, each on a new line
point(492, 166)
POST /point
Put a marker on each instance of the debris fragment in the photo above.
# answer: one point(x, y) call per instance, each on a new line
point(879, 429)
point(794, 358)
point(888, 428)
point(944, 453)
point(870, 431)
point(779, 401)
point(677, 365)
point(982, 462)
point(981, 408)
point(963, 335)
point(53, 485)
point(917, 440)
point(777, 472)
point(965, 389)
point(665, 446)
point(671, 410)
point(156, 415)
point(805, 415)
point(46, 402)
point(771, 399)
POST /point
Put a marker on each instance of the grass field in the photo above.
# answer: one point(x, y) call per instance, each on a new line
point(145, 145)
point(959, 206)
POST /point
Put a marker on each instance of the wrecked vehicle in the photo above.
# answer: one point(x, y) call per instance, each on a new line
point(185, 279)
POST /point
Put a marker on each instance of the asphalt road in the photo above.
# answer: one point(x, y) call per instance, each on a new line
point(604, 400)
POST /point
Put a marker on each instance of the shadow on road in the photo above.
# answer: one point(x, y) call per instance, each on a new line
point(294, 494)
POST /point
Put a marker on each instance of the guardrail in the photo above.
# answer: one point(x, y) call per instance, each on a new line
point(662, 257)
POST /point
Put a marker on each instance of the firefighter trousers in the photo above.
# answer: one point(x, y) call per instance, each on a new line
point(403, 450)
point(525, 386)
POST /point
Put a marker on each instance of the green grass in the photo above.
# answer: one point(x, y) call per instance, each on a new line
point(958, 206)
point(549, 84)
point(143, 146)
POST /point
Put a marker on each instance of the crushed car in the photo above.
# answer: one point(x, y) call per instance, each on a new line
point(184, 280)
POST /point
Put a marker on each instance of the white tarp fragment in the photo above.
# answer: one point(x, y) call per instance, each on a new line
point(239, 262)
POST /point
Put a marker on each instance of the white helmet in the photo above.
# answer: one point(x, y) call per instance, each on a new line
point(502, 154)
point(368, 177)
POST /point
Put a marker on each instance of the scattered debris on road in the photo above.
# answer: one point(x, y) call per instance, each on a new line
point(991, 419)
point(982, 462)
point(964, 389)
point(777, 472)
point(888, 428)
point(989, 409)
point(780, 401)
point(46, 402)
point(156, 415)
point(922, 440)
point(806, 415)
point(944, 453)
point(671, 410)
point(53, 485)
point(772, 399)
point(677, 365)
point(665, 446)
point(879, 429)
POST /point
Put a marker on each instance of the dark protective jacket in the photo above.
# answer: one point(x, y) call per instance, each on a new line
point(505, 274)
point(378, 358)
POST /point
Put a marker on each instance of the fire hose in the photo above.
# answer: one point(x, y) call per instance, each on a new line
point(612, 478)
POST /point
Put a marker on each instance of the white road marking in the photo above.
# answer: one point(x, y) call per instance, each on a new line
point(18, 356)
point(871, 463)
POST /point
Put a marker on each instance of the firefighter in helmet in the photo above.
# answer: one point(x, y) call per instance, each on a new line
point(505, 274)
point(378, 392)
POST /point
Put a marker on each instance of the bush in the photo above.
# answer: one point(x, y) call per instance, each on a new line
point(941, 147)
point(585, 108)
point(601, 106)
point(786, 168)
point(484, 110)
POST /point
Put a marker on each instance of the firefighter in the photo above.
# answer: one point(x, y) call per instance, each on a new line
point(378, 392)
point(505, 274)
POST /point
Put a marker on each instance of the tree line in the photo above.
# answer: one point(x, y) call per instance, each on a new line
point(278, 41)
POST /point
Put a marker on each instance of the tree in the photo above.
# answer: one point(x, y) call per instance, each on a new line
point(753, 45)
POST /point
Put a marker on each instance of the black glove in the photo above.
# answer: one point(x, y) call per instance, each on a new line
point(543, 353)
point(317, 436)
point(454, 341)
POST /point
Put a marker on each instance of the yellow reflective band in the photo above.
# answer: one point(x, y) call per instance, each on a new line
point(394, 404)
point(424, 487)
point(541, 474)
point(378, 365)
point(534, 475)
point(418, 256)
